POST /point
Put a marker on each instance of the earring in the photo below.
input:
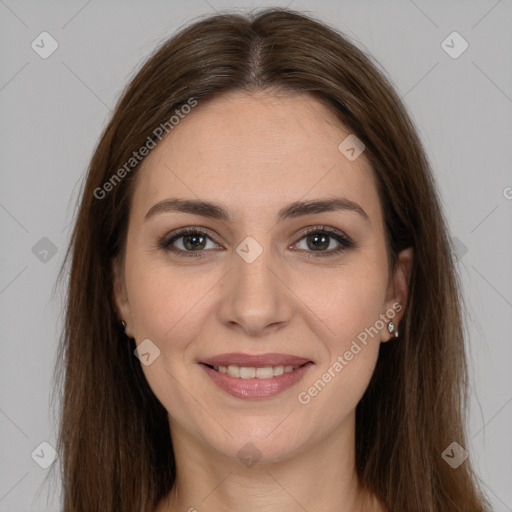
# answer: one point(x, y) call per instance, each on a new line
point(123, 324)
point(392, 329)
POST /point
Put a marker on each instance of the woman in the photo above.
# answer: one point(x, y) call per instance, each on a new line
point(263, 312)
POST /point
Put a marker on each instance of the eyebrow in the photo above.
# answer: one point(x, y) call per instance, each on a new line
point(217, 211)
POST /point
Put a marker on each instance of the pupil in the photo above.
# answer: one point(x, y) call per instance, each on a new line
point(322, 244)
point(195, 237)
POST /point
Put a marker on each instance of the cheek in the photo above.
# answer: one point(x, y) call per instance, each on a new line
point(347, 310)
point(338, 384)
point(346, 301)
point(163, 301)
point(166, 309)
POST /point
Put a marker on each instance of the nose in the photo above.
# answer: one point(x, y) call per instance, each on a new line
point(256, 299)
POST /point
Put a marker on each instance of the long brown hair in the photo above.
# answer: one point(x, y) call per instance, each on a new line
point(114, 443)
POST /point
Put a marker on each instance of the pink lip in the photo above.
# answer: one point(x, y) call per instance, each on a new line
point(256, 388)
point(256, 361)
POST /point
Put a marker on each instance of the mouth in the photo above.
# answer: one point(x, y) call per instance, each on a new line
point(254, 372)
point(255, 377)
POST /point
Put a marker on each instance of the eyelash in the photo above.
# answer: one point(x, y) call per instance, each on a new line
point(166, 242)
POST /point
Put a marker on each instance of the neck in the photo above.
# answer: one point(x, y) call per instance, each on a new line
point(320, 478)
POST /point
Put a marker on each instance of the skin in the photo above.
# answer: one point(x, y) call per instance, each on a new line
point(256, 153)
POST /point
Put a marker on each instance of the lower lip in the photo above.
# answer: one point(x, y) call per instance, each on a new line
point(255, 388)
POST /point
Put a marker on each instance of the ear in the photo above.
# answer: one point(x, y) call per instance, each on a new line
point(120, 296)
point(397, 292)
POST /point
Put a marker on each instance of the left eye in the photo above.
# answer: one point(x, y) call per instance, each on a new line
point(194, 241)
point(318, 238)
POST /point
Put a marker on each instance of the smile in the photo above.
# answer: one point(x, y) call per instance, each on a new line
point(251, 372)
point(255, 377)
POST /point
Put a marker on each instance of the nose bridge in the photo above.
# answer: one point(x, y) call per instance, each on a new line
point(255, 297)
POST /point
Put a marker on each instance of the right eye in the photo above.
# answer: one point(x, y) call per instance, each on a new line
point(193, 242)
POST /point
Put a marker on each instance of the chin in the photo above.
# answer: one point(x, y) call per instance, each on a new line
point(261, 443)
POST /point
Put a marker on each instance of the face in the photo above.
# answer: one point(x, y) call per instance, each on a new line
point(262, 325)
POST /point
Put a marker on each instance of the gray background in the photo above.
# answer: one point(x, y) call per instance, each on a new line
point(52, 113)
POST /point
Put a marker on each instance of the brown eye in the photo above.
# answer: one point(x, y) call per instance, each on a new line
point(194, 241)
point(191, 241)
point(318, 240)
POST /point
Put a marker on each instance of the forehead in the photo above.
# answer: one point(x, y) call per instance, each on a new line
point(254, 151)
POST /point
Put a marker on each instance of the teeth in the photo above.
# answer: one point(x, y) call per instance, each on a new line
point(234, 371)
point(247, 373)
point(266, 372)
point(250, 372)
point(278, 370)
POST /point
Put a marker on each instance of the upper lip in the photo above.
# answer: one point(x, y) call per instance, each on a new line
point(256, 361)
